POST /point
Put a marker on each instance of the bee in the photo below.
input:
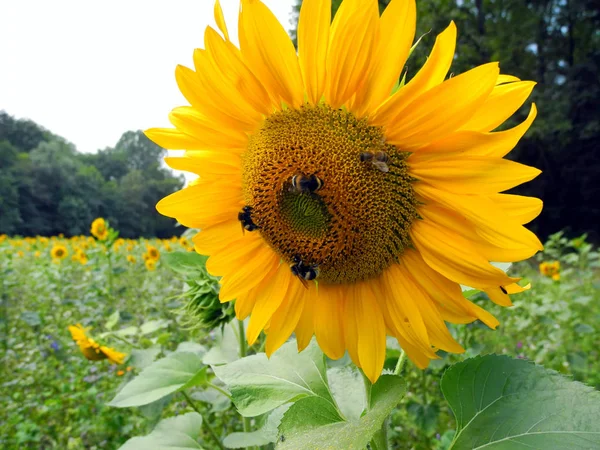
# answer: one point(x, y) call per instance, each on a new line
point(245, 218)
point(379, 159)
point(303, 272)
point(306, 183)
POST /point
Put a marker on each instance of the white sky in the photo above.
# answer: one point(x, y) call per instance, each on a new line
point(91, 70)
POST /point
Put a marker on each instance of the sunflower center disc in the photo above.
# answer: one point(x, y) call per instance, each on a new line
point(357, 223)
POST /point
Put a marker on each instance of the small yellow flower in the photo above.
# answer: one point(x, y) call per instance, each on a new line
point(556, 277)
point(20, 253)
point(99, 229)
point(150, 264)
point(131, 259)
point(551, 269)
point(120, 373)
point(93, 350)
point(37, 254)
point(59, 252)
point(153, 252)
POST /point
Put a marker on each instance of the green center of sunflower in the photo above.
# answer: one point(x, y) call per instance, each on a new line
point(327, 188)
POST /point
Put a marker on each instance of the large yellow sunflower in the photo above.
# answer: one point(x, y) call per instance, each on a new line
point(332, 203)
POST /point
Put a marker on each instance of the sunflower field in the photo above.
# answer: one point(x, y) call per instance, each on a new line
point(137, 303)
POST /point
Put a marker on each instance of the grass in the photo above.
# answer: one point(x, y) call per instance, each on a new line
point(53, 397)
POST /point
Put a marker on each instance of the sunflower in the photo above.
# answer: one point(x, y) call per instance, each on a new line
point(131, 259)
point(91, 349)
point(152, 252)
point(551, 269)
point(335, 201)
point(59, 252)
point(150, 264)
point(99, 229)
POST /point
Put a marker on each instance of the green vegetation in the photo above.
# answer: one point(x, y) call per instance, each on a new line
point(47, 187)
point(54, 398)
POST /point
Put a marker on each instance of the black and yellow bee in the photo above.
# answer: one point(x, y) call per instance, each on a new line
point(304, 272)
point(379, 160)
point(245, 218)
point(306, 183)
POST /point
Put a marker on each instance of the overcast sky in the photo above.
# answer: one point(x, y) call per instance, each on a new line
point(91, 70)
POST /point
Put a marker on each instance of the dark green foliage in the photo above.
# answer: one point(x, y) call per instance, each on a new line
point(553, 42)
point(47, 187)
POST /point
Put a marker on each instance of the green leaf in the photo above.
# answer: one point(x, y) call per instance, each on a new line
point(348, 389)
point(225, 349)
point(259, 384)
point(167, 375)
point(217, 400)
point(31, 318)
point(583, 328)
point(263, 436)
point(153, 325)
point(312, 423)
point(174, 433)
point(128, 331)
point(112, 320)
point(191, 347)
point(142, 358)
point(185, 263)
point(506, 404)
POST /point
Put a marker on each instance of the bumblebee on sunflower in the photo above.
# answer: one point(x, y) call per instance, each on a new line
point(335, 202)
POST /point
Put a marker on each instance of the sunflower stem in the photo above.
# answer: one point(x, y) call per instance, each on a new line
point(218, 389)
point(209, 429)
point(400, 363)
point(243, 353)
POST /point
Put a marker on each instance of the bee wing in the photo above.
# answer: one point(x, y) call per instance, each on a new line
point(381, 166)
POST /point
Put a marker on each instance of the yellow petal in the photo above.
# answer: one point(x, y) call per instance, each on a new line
point(354, 33)
point(233, 77)
point(269, 53)
point(490, 222)
point(313, 37)
point(503, 78)
point(218, 236)
point(233, 258)
point(191, 122)
point(350, 323)
point(206, 162)
point(201, 205)
point(305, 327)
point(502, 103)
point(499, 295)
point(328, 320)
point(174, 139)
point(397, 24)
point(431, 74)
point(371, 332)
point(475, 143)
point(444, 291)
point(285, 319)
point(442, 109)
point(465, 175)
point(220, 19)
point(268, 301)
point(261, 267)
point(520, 208)
point(453, 256)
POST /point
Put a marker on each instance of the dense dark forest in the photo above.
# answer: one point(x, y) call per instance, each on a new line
point(47, 187)
point(557, 44)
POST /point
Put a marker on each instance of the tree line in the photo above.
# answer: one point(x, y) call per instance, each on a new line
point(47, 187)
point(557, 44)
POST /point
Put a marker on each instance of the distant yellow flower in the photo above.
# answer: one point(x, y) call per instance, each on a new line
point(167, 246)
point(59, 251)
point(99, 229)
point(2, 237)
point(550, 269)
point(153, 252)
point(37, 254)
point(150, 264)
point(131, 259)
point(20, 253)
point(91, 349)
point(120, 373)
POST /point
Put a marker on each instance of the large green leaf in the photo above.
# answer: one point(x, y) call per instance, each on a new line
point(174, 433)
point(177, 371)
point(226, 347)
point(312, 423)
point(259, 384)
point(506, 404)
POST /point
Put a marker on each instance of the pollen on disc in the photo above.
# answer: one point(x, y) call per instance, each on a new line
point(357, 223)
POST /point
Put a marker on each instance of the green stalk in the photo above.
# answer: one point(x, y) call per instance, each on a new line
point(243, 353)
point(205, 423)
point(110, 272)
point(400, 363)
